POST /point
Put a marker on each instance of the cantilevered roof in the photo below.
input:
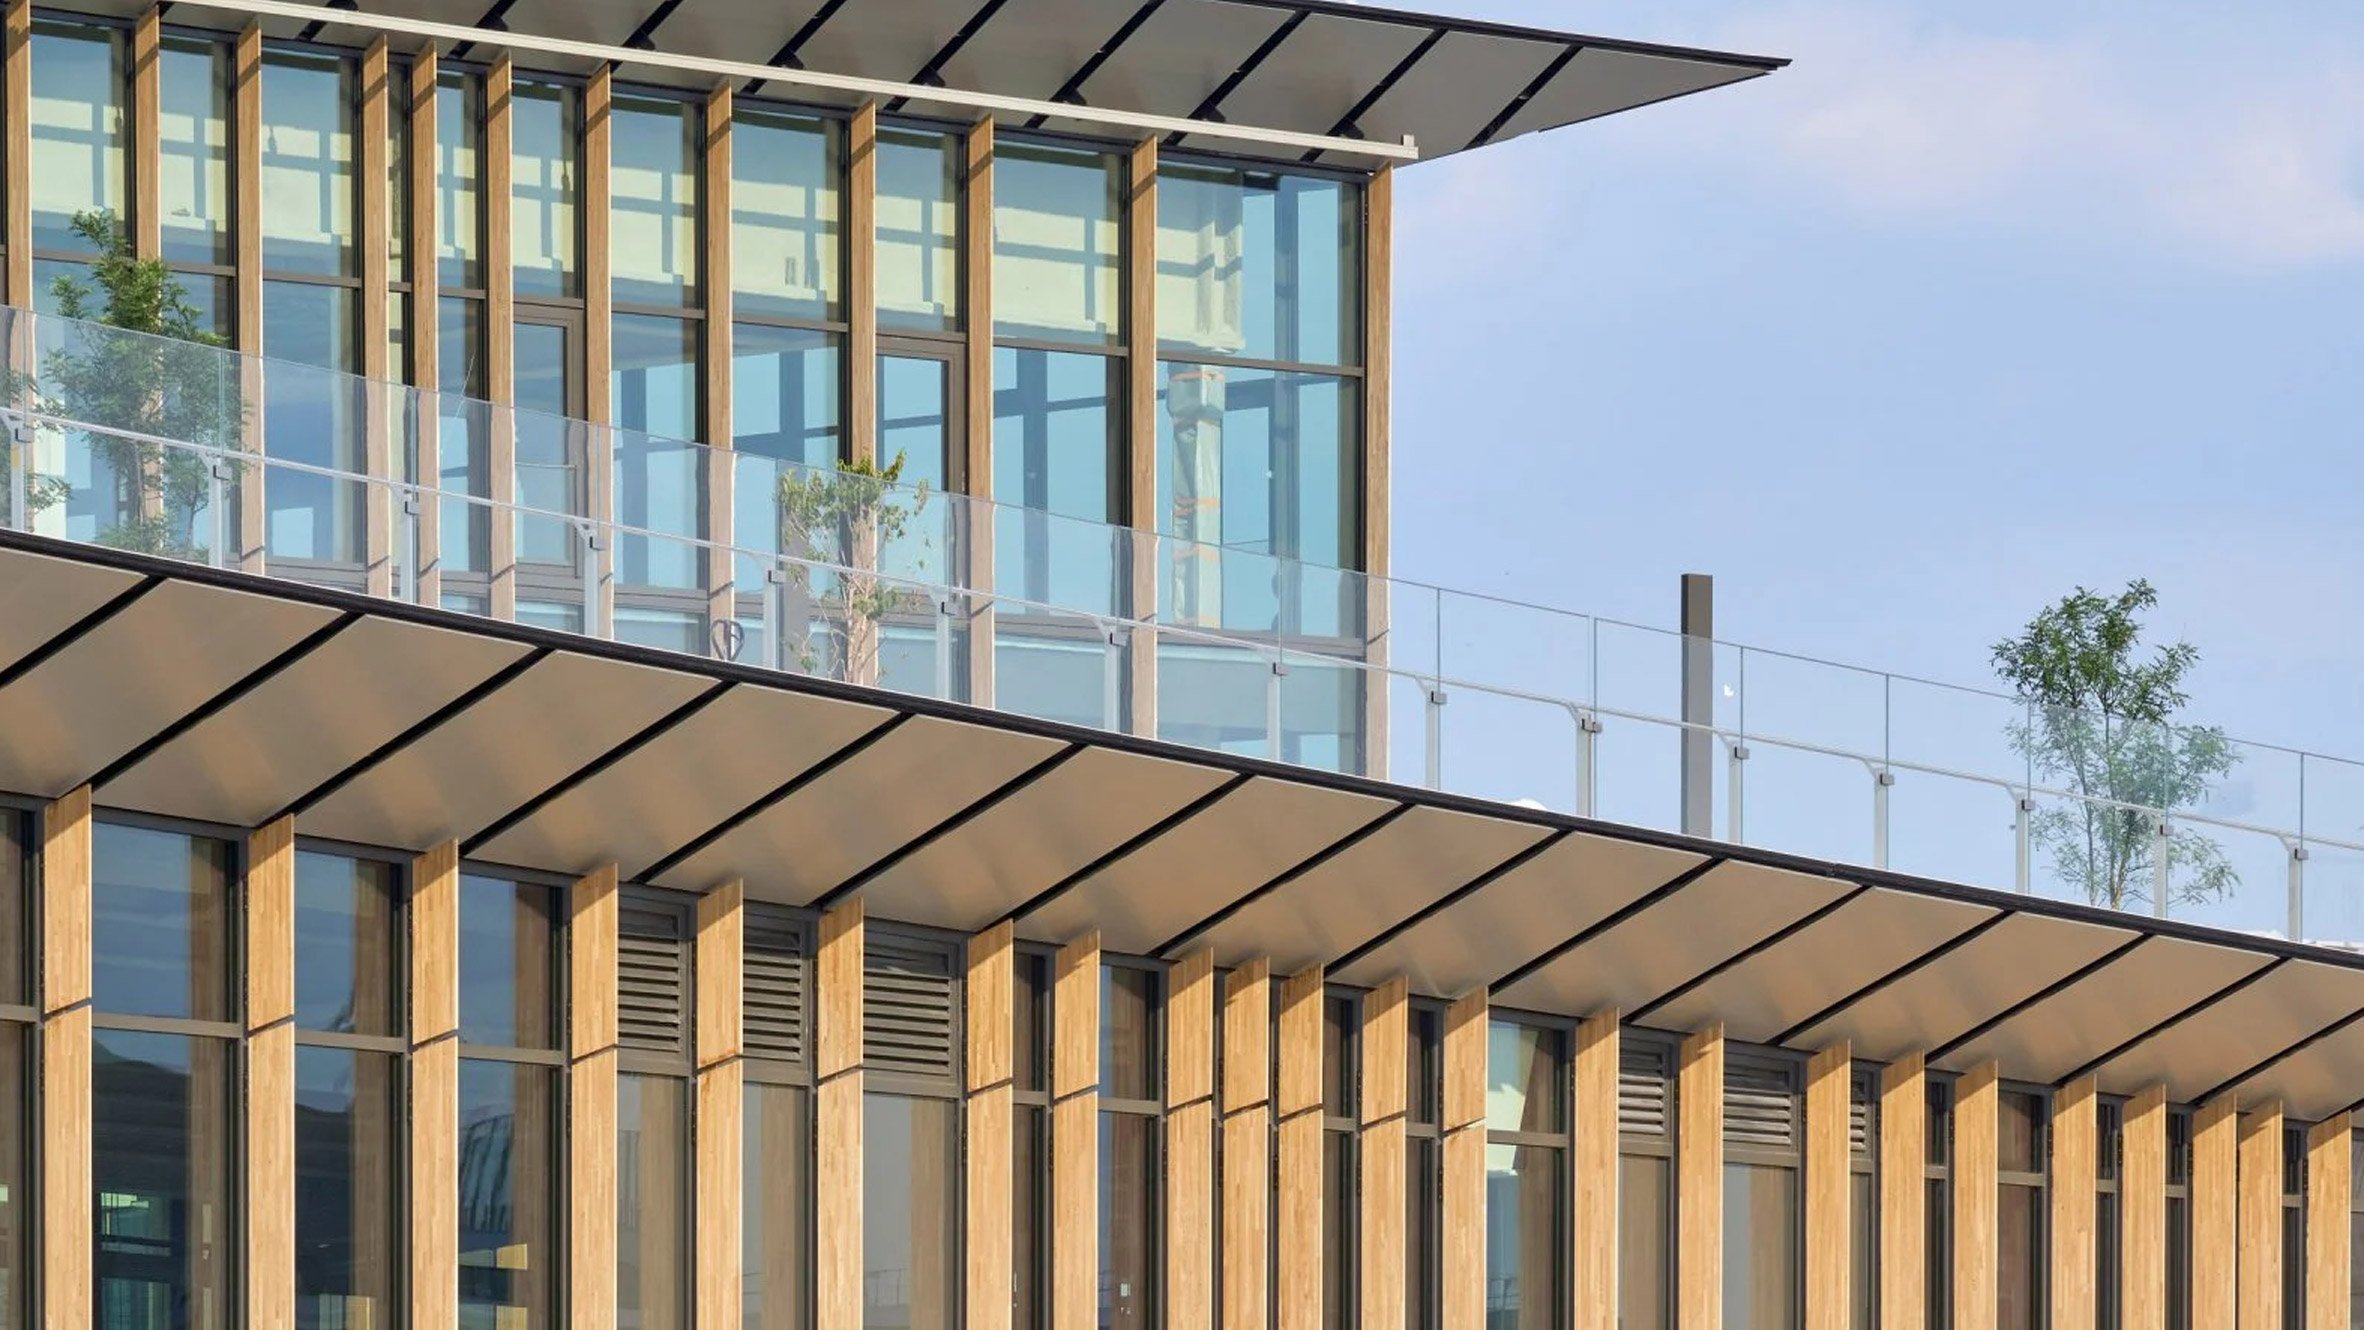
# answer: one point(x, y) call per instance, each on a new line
point(227, 698)
point(1306, 67)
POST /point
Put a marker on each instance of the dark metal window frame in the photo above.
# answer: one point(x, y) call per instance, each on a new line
point(2039, 1181)
point(1342, 1122)
point(1152, 1109)
point(1560, 1142)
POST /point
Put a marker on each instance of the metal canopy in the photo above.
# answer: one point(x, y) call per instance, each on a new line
point(1301, 67)
point(220, 697)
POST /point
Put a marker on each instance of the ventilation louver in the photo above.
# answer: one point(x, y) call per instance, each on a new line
point(908, 1025)
point(652, 979)
point(1645, 1088)
point(1760, 1103)
point(775, 968)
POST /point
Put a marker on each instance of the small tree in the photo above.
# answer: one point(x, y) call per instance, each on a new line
point(2100, 722)
point(170, 383)
point(850, 517)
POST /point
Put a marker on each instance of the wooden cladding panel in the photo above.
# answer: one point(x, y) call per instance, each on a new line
point(269, 1276)
point(976, 463)
point(67, 1221)
point(2076, 1147)
point(377, 245)
point(1976, 1195)
point(1462, 1276)
point(1190, 1142)
point(16, 151)
point(246, 226)
point(721, 951)
point(420, 326)
point(1383, 1153)
point(1599, 1045)
point(1297, 1163)
point(2260, 1218)
point(1829, 1174)
point(147, 138)
point(500, 324)
point(1075, 1134)
point(1699, 1181)
point(715, 282)
point(434, 1158)
point(2329, 1222)
point(2216, 1228)
point(1904, 1198)
point(861, 286)
point(992, 1129)
point(837, 1047)
point(1378, 411)
point(2142, 1212)
point(1247, 1146)
point(1141, 422)
point(591, 932)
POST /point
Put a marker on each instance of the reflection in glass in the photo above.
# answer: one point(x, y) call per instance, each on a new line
point(459, 203)
point(314, 419)
point(776, 1224)
point(1524, 1078)
point(309, 107)
point(1129, 1199)
point(77, 161)
point(1523, 1259)
point(509, 938)
point(654, 148)
point(1424, 1221)
point(1863, 1269)
point(193, 150)
point(1030, 1219)
point(16, 910)
point(1130, 1050)
point(1058, 242)
point(161, 921)
point(652, 1202)
point(348, 956)
point(163, 1167)
point(16, 1171)
point(1339, 1246)
point(509, 1209)
point(915, 417)
point(785, 396)
point(918, 246)
point(463, 436)
point(551, 445)
point(348, 1189)
point(1645, 1246)
point(1761, 1252)
point(911, 1216)
point(1258, 265)
point(785, 246)
point(660, 482)
point(545, 127)
point(1055, 442)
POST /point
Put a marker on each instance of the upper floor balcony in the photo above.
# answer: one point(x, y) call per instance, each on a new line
point(195, 453)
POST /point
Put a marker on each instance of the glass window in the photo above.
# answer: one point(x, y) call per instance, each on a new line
point(314, 419)
point(1259, 460)
point(509, 1199)
point(652, 1202)
point(1058, 243)
point(349, 1129)
point(1863, 1269)
point(785, 249)
point(655, 389)
point(1645, 1242)
point(16, 1172)
point(1129, 1239)
point(1259, 265)
point(164, 1141)
point(1055, 445)
point(2021, 1157)
point(1762, 1258)
point(545, 129)
point(348, 956)
point(1340, 1251)
point(1030, 1235)
point(162, 920)
point(1424, 1221)
point(1130, 1055)
point(16, 909)
point(78, 130)
point(509, 939)
point(1524, 1263)
point(1524, 1079)
point(911, 1214)
point(918, 245)
point(193, 143)
point(785, 397)
point(308, 180)
point(656, 155)
point(459, 206)
point(776, 1223)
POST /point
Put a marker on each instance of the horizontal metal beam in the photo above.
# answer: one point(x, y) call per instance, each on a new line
point(1140, 124)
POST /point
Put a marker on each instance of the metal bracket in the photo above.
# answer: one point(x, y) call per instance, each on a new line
point(1437, 697)
point(1884, 777)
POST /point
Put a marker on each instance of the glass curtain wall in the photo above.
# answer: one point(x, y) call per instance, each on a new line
point(463, 436)
point(1764, 1201)
point(1526, 1176)
point(351, 1031)
point(1260, 337)
point(776, 1163)
point(193, 152)
point(1342, 1024)
point(553, 449)
point(512, 1069)
point(2023, 1157)
point(18, 1011)
point(1132, 1133)
point(165, 1129)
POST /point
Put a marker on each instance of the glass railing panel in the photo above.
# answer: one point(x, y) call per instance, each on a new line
point(1638, 772)
point(1944, 826)
point(1405, 744)
point(318, 530)
point(1956, 729)
point(2332, 896)
point(1804, 701)
point(1322, 712)
point(2089, 853)
point(1047, 559)
point(1060, 667)
point(1517, 749)
point(1801, 801)
point(319, 420)
point(102, 488)
point(1520, 648)
point(2332, 805)
point(1215, 694)
point(2229, 877)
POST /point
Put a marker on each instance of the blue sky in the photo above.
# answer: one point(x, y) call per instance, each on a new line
point(1968, 306)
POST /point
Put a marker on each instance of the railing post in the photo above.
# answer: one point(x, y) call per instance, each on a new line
point(594, 623)
point(218, 474)
point(2159, 881)
point(1112, 678)
point(1434, 707)
point(2298, 891)
point(1736, 766)
point(20, 461)
point(406, 548)
point(775, 617)
point(944, 647)
point(2023, 820)
point(1272, 708)
point(1882, 780)
point(1588, 756)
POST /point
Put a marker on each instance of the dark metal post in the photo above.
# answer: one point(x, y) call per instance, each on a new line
point(1699, 704)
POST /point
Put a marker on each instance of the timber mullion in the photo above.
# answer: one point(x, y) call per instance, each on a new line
point(977, 414)
point(246, 220)
point(1699, 1181)
point(1297, 1163)
point(147, 134)
point(991, 1108)
point(2076, 1147)
point(837, 1122)
point(2330, 1222)
point(861, 281)
point(16, 157)
point(2216, 1227)
point(67, 1230)
point(269, 1276)
point(716, 281)
point(1462, 1276)
point(1141, 427)
point(1247, 1146)
point(721, 952)
point(1904, 1196)
point(2142, 1212)
point(424, 327)
point(599, 331)
point(1190, 1143)
point(1830, 1166)
point(2259, 1244)
point(1075, 1135)
point(500, 330)
point(434, 1155)
point(1378, 375)
point(377, 257)
point(1977, 1196)
point(591, 931)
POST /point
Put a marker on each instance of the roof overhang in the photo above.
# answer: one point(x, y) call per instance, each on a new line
point(216, 696)
point(1298, 80)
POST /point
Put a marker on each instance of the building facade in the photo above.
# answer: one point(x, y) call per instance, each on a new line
point(511, 840)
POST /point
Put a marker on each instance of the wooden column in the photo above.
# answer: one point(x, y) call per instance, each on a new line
point(977, 377)
point(246, 225)
point(500, 327)
point(1384, 1154)
point(377, 258)
point(721, 364)
point(1904, 1194)
point(861, 286)
point(599, 318)
point(1297, 1193)
point(1247, 1146)
point(2142, 1212)
point(1378, 375)
point(1141, 425)
point(992, 1124)
point(1190, 1143)
point(2076, 1147)
point(1075, 1135)
point(2330, 1194)
point(147, 134)
point(1830, 1167)
point(837, 1121)
point(1599, 1046)
point(2216, 1229)
point(591, 1133)
point(2259, 1243)
point(65, 1233)
point(269, 1273)
point(1977, 1196)
point(1462, 1280)
point(426, 332)
point(16, 156)
point(722, 1100)
point(434, 1157)
point(1699, 1182)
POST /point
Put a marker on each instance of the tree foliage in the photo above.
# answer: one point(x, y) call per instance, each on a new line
point(2100, 723)
point(849, 517)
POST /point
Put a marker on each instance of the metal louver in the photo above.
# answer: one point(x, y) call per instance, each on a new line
point(2179, 1147)
point(2109, 1124)
point(652, 974)
point(907, 1014)
point(774, 977)
point(1645, 1088)
point(1863, 1106)
point(1760, 1102)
